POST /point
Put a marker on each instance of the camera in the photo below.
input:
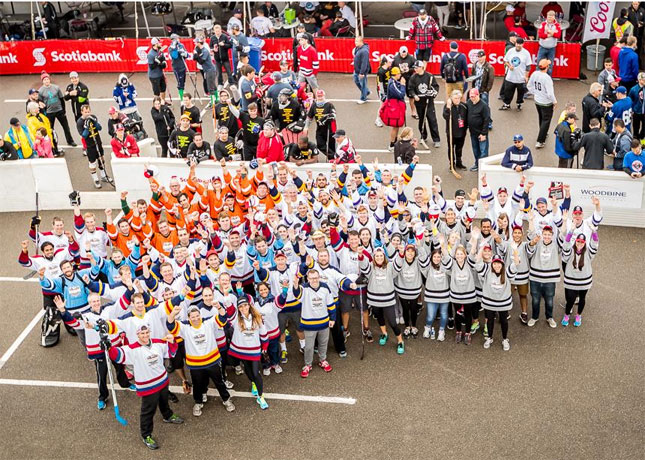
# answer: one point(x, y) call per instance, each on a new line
point(75, 198)
point(101, 327)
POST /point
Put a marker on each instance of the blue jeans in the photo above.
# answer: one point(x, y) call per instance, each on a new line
point(431, 312)
point(484, 97)
point(480, 148)
point(539, 290)
point(361, 84)
point(546, 53)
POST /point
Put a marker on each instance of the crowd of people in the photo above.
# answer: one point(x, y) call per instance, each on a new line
point(219, 276)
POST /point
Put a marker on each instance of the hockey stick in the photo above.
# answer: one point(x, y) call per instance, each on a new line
point(32, 273)
point(360, 303)
point(451, 152)
point(108, 363)
point(99, 158)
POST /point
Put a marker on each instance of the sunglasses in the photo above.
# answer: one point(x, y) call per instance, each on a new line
point(517, 142)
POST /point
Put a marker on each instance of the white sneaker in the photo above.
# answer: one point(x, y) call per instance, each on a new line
point(361, 102)
point(426, 332)
point(228, 384)
point(266, 371)
point(277, 369)
point(238, 370)
point(442, 335)
point(506, 345)
point(552, 322)
point(531, 322)
point(378, 122)
point(423, 142)
point(204, 398)
point(197, 410)
point(230, 407)
point(487, 343)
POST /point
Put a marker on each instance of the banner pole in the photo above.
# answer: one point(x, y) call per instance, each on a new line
point(597, 52)
point(42, 23)
point(33, 25)
point(145, 18)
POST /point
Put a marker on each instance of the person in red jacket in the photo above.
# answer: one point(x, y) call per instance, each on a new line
point(308, 63)
point(124, 145)
point(270, 146)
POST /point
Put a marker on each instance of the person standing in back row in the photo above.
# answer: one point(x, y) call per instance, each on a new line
point(156, 64)
point(541, 86)
point(518, 62)
point(423, 88)
point(478, 120)
point(454, 69)
point(52, 96)
point(424, 32)
point(628, 63)
point(361, 68)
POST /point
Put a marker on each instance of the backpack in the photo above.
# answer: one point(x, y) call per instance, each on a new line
point(450, 68)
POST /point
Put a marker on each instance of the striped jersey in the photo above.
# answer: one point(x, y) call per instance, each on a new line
point(248, 339)
point(200, 341)
point(496, 296)
point(576, 278)
point(150, 374)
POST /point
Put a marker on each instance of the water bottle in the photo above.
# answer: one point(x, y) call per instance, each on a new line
point(399, 160)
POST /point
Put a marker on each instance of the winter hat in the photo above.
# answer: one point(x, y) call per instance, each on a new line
point(43, 75)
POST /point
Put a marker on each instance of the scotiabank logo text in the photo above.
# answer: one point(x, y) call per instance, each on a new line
point(325, 55)
point(86, 56)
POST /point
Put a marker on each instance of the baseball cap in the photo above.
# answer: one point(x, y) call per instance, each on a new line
point(242, 301)
point(186, 116)
point(497, 258)
point(577, 210)
point(277, 76)
point(518, 137)
point(193, 308)
point(540, 200)
point(338, 133)
point(460, 192)
point(454, 45)
point(284, 62)
point(32, 90)
point(280, 254)
point(544, 64)
point(112, 110)
point(142, 327)
point(198, 40)
point(235, 27)
point(512, 34)
point(371, 193)
point(119, 127)
point(502, 189)
point(418, 64)
point(403, 49)
point(154, 41)
point(481, 53)
point(73, 75)
point(488, 246)
point(395, 71)
point(174, 37)
point(237, 11)
point(621, 89)
point(519, 41)
point(547, 227)
point(422, 11)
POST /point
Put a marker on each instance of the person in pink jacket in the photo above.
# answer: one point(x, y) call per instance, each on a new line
point(43, 144)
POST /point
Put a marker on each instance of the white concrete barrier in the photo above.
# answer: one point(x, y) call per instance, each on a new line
point(622, 198)
point(128, 173)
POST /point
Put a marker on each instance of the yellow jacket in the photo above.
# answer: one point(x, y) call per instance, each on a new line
point(35, 122)
point(21, 140)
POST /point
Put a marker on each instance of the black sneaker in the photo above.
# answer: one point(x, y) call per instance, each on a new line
point(368, 335)
point(505, 107)
point(461, 166)
point(174, 418)
point(451, 323)
point(73, 144)
point(150, 443)
point(519, 107)
point(524, 317)
point(173, 397)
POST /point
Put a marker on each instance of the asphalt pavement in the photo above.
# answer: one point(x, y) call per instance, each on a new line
point(573, 393)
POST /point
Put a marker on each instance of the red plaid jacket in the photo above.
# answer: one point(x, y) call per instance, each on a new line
point(424, 37)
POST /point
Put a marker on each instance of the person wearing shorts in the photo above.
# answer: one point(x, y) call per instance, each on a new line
point(156, 64)
point(88, 127)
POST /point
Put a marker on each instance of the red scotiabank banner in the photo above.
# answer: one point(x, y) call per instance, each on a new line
point(335, 55)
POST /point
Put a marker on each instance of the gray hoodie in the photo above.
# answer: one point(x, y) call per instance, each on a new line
point(409, 282)
point(380, 287)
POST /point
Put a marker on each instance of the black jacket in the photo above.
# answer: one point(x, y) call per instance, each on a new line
point(164, 121)
point(591, 108)
point(458, 115)
point(478, 117)
point(405, 151)
point(424, 85)
point(8, 152)
point(220, 52)
point(596, 144)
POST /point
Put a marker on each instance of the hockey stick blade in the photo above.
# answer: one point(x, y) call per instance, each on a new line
point(119, 419)
point(29, 275)
point(455, 173)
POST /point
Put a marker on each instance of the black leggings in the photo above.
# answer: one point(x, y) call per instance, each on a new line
point(252, 371)
point(200, 378)
point(467, 318)
point(410, 311)
point(570, 295)
point(383, 313)
point(503, 319)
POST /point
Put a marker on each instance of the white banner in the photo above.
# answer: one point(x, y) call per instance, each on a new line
point(598, 21)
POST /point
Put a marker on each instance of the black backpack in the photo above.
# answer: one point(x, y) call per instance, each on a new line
point(450, 68)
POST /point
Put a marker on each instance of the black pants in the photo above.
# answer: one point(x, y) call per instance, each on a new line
point(249, 152)
point(226, 65)
point(458, 147)
point(252, 371)
point(325, 140)
point(200, 378)
point(565, 162)
point(467, 318)
point(102, 377)
point(509, 89)
point(164, 146)
point(503, 320)
point(149, 406)
point(570, 295)
point(545, 113)
point(426, 112)
point(638, 126)
point(387, 313)
point(62, 119)
point(337, 335)
point(410, 311)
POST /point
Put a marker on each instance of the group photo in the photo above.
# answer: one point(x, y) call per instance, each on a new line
point(276, 225)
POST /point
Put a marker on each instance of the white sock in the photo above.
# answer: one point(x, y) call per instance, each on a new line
point(283, 346)
point(103, 175)
point(95, 176)
point(302, 343)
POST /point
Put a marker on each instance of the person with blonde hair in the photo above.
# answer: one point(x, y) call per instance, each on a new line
point(455, 112)
point(405, 147)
